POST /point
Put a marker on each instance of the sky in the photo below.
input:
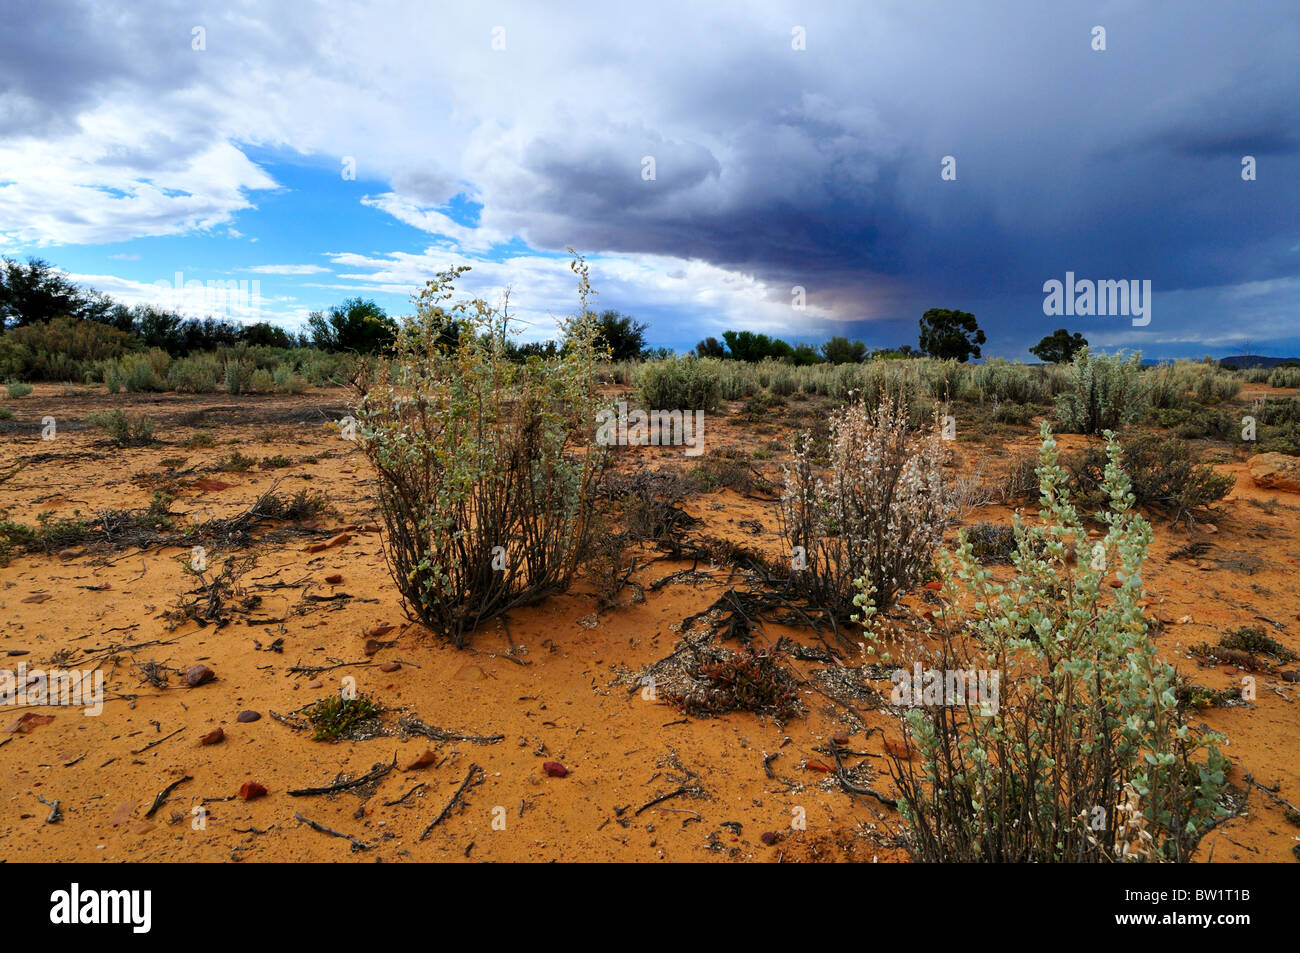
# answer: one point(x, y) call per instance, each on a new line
point(800, 169)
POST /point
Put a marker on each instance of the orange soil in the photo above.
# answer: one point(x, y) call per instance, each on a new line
point(569, 702)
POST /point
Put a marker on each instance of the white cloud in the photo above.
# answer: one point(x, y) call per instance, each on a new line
point(289, 269)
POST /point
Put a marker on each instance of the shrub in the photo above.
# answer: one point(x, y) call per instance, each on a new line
point(1085, 755)
point(1165, 475)
point(1285, 376)
point(485, 496)
point(875, 517)
point(196, 374)
point(17, 389)
point(238, 376)
point(261, 382)
point(287, 381)
point(1106, 391)
point(679, 383)
point(125, 431)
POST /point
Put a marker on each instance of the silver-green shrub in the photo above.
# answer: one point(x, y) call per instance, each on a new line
point(1087, 756)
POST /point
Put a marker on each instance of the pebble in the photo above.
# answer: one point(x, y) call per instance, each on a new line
point(213, 737)
point(197, 675)
point(247, 716)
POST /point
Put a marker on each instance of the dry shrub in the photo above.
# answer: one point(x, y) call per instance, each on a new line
point(874, 517)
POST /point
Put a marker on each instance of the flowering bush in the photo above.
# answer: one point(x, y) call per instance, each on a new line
point(1086, 757)
point(874, 518)
point(486, 467)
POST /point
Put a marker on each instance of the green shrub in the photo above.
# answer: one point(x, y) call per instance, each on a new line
point(287, 381)
point(195, 374)
point(679, 383)
point(17, 389)
point(1165, 475)
point(125, 431)
point(1106, 391)
point(1284, 376)
point(238, 376)
point(261, 382)
point(1084, 754)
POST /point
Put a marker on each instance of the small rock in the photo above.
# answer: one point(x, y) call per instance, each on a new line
point(334, 578)
point(371, 647)
point(1292, 676)
point(213, 737)
point(315, 683)
point(553, 769)
point(769, 837)
point(1209, 527)
point(816, 766)
point(247, 716)
point(841, 740)
point(250, 790)
point(383, 628)
point(422, 761)
point(197, 675)
point(390, 666)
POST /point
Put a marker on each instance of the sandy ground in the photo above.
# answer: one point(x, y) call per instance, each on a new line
point(554, 687)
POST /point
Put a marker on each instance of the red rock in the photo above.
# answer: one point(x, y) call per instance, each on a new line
point(334, 578)
point(422, 761)
point(251, 790)
point(1114, 583)
point(247, 716)
point(315, 683)
point(210, 485)
point(39, 598)
point(898, 749)
point(816, 766)
point(371, 647)
point(383, 628)
point(199, 674)
point(28, 722)
point(769, 837)
point(390, 666)
point(213, 737)
point(933, 585)
point(841, 740)
point(553, 769)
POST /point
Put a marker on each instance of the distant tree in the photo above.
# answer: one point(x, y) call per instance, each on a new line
point(710, 347)
point(950, 335)
point(625, 337)
point(805, 355)
point(355, 325)
point(658, 353)
point(37, 291)
point(840, 350)
point(265, 334)
point(1058, 347)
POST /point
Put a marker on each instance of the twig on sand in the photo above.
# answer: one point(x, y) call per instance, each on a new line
point(161, 799)
point(404, 796)
point(470, 781)
point(684, 789)
point(334, 788)
point(356, 844)
point(56, 812)
point(416, 727)
point(159, 741)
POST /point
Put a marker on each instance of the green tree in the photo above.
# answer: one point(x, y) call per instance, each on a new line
point(840, 350)
point(360, 326)
point(1058, 347)
point(711, 347)
point(37, 291)
point(950, 335)
point(625, 337)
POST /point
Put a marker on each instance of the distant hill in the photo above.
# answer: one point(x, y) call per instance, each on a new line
point(1256, 360)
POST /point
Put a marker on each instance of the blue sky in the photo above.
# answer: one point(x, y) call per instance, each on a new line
point(794, 146)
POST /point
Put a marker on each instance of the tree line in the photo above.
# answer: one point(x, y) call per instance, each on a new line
point(35, 292)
